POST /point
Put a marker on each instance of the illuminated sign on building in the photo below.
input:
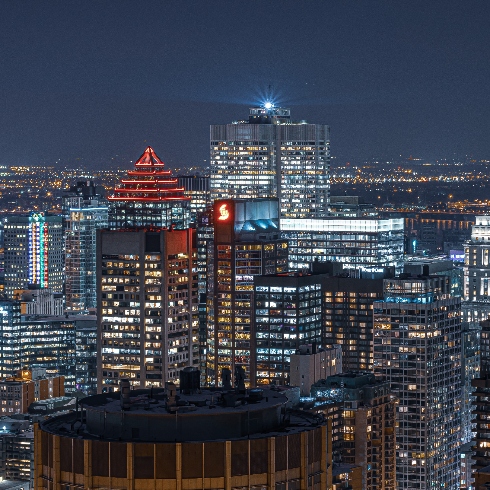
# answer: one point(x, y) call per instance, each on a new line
point(224, 214)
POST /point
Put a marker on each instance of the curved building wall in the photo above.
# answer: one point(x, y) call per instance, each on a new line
point(298, 459)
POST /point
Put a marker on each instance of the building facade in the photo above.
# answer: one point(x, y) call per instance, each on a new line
point(147, 306)
point(476, 269)
point(83, 217)
point(246, 244)
point(348, 318)
point(196, 187)
point(417, 348)
point(368, 425)
point(287, 314)
point(17, 393)
point(366, 245)
point(9, 335)
point(33, 252)
point(309, 365)
point(270, 156)
point(162, 445)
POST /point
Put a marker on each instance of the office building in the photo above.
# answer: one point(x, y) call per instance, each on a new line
point(368, 424)
point(144, 439)
point(85, 212)
point(287, 314)
point(48, 342)
point(351, 207)
point(149, 197)
point(196, 187)
point(17, 393)
point(16, 454)
point(438, 265)
point(148, 322)
point(246, 244)
point(417, 348)
point(309, 365)
point(270, 156)
point(477, 272)
point(366, 245)
point(9, 335)
point(86, 354)
point(34, 252)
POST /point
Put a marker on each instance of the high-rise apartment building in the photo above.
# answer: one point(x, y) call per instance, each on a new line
point(481, 386)
point(417, 348)
point(149, 197)
point(348, 318)
point(34, 252)
point(85, 212)
point(147, 306)
point(367, 425)
point(246, 244)
point(270, 156)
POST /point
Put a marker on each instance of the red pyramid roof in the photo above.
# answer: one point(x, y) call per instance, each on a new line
point(148, 183)
point(149, 159)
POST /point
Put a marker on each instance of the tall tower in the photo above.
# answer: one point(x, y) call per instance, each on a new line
point(85, 212)
point(246, 244)
point(417, 348)
point(34, 252)
point(147, 306)
point(149, 197)
point(270, 156)
point(477, 272)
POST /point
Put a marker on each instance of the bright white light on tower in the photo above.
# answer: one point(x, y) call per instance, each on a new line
point(268, 105)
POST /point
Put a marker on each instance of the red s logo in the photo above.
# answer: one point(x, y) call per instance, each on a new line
point(224, 214)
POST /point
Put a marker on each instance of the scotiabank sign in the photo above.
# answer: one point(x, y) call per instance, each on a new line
point(223, 212)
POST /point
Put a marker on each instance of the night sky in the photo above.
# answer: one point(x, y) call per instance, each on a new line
point(94, 82)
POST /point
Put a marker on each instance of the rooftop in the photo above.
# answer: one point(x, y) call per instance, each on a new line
point(155, 415)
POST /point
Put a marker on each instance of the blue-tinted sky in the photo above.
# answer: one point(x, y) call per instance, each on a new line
point(96, 79)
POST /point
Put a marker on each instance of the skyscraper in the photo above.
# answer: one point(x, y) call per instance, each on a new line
point(34, 252)
point(149, 197)
point(147, 306)
point(85, 212)
point(270, 156)
point(477, 272)
point(246, 244)
point(417, 348)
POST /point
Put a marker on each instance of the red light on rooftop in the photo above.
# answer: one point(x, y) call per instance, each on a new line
point(148, 182)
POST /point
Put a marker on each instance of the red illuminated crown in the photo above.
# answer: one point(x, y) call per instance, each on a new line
point(149, 182)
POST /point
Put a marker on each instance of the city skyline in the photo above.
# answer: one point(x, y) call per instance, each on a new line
point(91, 83)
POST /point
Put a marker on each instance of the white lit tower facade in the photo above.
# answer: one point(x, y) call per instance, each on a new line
point(476, 306)
point(270, 156)
point(417, 348)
